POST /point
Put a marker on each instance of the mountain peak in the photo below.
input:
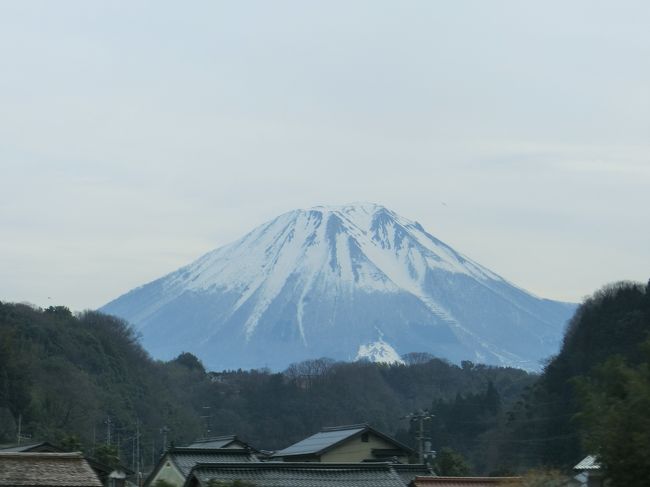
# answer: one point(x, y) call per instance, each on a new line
point(355, 206)
point(323, 281)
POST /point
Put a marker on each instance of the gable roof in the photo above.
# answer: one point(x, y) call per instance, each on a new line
point(588, 463)
point(328, 438)
point(298, 474)
point(185, 458)
point(46, 469)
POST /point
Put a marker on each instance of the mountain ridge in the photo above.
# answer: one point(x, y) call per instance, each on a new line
point(326, 281)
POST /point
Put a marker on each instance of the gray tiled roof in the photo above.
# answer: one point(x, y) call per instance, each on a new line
point(215, 442)
point(46, 470)
point(281, 474)
point(467, 482)
point(588, 463)
point(186, 458)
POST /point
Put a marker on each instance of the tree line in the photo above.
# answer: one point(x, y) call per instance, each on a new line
point(84, 381)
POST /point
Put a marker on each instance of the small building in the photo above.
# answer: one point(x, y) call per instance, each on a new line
point(119, 476)
point(354, 443)
point(298, 474)
point(590, 474)
point(176, 464)
point(38, 469)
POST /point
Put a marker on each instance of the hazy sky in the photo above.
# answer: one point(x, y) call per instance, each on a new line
point(136, 136)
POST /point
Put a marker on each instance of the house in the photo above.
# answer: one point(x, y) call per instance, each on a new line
point(298, 474)
point(107, 475)
point(467, 482)
point(110, 476)
point(354, 443)
point(590, 474)
point(176, 464)
point(38, 469)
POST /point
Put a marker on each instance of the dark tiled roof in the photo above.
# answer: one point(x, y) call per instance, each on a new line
point(186, 458)
point(281, 474)
point(42, 446)
point(46, 469)
point(329, 437)
point(215, 442)
point(467, 481)
point(319, 442)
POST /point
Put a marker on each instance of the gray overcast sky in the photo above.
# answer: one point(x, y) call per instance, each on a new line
point(135, 136)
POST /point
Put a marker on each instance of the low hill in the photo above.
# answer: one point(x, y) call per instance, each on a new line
point(543, 428)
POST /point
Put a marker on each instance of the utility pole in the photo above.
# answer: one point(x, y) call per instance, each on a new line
point(207, 417)
point(20, 425)
point(419, 417)
point(108, 430)
point(164, 432)
point(19, 434)
point(137, 450)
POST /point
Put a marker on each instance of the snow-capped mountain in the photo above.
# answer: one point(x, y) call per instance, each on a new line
point(342, 282)
point(379, 352)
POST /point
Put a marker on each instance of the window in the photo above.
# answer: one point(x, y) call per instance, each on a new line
point(364, 437)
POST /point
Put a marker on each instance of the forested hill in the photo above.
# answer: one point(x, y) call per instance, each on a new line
point(603, 351)
point(65, 375)
point(72, 379)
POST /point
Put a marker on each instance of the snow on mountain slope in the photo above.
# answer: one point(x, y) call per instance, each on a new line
point(380, 352)
point(328, 280)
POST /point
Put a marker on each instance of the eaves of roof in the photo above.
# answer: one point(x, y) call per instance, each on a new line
point(290, 474)
point(466, 481)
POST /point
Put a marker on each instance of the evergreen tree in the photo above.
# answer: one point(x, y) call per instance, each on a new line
point(616, 401)
point(449, 463)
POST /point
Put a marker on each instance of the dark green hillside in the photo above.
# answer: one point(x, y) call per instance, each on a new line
point(544, 426)
point(66, 375)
